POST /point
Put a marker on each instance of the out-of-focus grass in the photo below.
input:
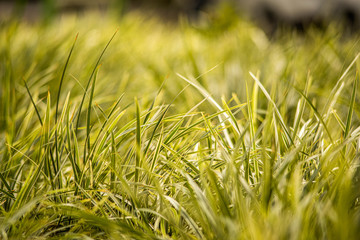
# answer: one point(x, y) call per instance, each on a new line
point(184, 131)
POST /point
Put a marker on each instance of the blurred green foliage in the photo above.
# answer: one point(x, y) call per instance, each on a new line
point(204, 129)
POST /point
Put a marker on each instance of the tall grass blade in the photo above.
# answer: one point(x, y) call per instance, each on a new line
point(277, 112)
point(138, 144)
point(317, 114)
point(301, 107)
point(62, 79)
point(89, 112)
point(33, 103)
point(57, 103)
point(351, 107)
point(338, 87)
point(89, 81)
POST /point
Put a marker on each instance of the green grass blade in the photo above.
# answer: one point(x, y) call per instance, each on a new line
point(9, 191)
point(300, 107)
point(33, 103)
point(186, 216)
point(338, 86)
point(212, 101)
point(62, 79)
point(57, 105)
point(138, 143)
point(351, 108)
point(277, 112)
point(88, 127)
point(89, 81)
point(317, 114)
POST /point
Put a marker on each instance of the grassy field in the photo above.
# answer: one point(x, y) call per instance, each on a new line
point(129, 128)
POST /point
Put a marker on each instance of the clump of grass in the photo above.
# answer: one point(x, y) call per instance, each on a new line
point(177, 132)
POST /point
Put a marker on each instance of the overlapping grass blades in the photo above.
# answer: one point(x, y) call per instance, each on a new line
point(162, 160)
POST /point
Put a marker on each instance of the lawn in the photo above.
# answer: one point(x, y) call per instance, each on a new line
point(132, 128)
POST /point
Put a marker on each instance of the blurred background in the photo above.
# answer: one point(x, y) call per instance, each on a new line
point(269, 14)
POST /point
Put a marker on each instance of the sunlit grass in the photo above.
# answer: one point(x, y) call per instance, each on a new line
point(136, 129)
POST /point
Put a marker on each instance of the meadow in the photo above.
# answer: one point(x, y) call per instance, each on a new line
point(132, 128)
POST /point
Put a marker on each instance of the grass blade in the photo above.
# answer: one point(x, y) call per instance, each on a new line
point(138, 144)
point(88, 83)
point(282, 123)
point(317, 114)
point(351, 108)
point(33, 103)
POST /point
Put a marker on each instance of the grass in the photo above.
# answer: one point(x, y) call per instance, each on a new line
point(135, 129)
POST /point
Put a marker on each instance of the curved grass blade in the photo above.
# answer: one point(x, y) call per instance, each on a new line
point(89, 110)
point(62, 79)
point(192, 224)
point(351, 108)
point(301, 107)
point(317, 114)
point(138, 143)
point(267, 95)
point(33, 103)
point(338, 86)
point(58, 100)
point(88, 83)
point(7, 187)
point(212, 101)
